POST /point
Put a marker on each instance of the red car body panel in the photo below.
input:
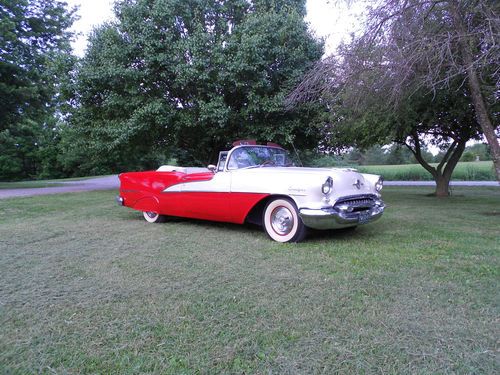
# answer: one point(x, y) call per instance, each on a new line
point(144, 191)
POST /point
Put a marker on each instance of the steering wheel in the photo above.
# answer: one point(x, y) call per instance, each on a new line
point(266, 162)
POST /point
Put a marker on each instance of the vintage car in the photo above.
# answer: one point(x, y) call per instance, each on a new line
point(257, 184)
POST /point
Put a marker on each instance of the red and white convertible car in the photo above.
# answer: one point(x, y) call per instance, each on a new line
point(257, 184)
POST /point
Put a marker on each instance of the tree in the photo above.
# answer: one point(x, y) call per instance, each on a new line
point(183, 78)
point(34, 53)
point(443, 41)
point(444, 119)
point(448, 119)
point(374, 155)
point(467, 156)
point(413, 57)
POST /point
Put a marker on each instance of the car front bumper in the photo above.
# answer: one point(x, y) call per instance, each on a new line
point(334, 217)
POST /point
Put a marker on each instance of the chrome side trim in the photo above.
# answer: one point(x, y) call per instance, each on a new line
point(209, 191)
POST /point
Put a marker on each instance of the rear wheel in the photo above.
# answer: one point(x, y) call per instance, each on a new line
point(153, 217)
point(282, 221)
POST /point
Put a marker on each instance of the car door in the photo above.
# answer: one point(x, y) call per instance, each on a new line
point(206, 196)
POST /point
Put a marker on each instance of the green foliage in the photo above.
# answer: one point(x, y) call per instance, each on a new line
point(318, 160)
point(175, 78)
point(421, 72)
point(391, 154)
point(443, 119)
point(429, 118)
point(478, 150)
point(375, 155)
point(34, 55)
point(467, 156)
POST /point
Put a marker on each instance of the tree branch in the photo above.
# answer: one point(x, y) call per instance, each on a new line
point(418, 155)
point(454, 158)
point(446, 156)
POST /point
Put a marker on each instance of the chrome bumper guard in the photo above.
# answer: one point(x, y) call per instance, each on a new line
point(120, 200)
point(342, 215)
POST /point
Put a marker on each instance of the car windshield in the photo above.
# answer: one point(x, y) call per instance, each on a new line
point(259, 156)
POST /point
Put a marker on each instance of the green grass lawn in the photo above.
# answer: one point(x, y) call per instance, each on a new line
point(465, 171)
point(90, 287)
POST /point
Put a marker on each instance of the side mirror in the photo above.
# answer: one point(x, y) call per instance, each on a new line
point(212, 168)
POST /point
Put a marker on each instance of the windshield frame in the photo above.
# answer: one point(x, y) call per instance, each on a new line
point(232, 165)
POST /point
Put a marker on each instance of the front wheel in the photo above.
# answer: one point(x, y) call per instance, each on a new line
point(282, 221)
point(153, 217)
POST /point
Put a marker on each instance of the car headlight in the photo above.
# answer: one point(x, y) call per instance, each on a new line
point(379, 184)
point(326, 188)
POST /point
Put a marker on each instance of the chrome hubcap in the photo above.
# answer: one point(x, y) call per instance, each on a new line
point(282, 221)
point(152, 215)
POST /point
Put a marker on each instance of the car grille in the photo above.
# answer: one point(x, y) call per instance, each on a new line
point(358, 202)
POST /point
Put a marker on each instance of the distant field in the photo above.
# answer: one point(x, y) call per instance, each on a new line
point(465, 171)
point(89, 287)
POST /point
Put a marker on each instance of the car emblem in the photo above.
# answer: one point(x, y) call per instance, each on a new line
point(357, 183)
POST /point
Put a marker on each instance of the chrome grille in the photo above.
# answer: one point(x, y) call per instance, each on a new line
point(358, 203)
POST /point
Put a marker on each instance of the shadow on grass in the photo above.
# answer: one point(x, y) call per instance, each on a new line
point(198, 223)
point(343, 234)
point(491, 213)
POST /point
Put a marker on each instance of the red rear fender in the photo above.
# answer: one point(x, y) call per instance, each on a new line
point(151, 181)
point(147, 204)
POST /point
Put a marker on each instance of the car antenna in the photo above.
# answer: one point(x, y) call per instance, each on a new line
point(297, 154)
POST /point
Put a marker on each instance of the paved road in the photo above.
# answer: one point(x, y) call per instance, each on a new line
point(112, 182)
point(432, 183)
point(98, 183)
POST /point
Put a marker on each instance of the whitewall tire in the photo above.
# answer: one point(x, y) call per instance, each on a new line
point(153, 217)
point(282, 221)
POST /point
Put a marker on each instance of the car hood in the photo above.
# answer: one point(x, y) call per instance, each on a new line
point(301, 170)
point(305, 181)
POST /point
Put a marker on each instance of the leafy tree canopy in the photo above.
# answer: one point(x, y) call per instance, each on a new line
point(184, 78)
point(34, 53)
point(423, 71)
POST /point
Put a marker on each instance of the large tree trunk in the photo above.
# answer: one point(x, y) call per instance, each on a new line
point(442, 177)
point(442, 186)
point(483, 118)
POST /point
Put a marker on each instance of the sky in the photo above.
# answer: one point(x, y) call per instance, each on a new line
point(328, 19)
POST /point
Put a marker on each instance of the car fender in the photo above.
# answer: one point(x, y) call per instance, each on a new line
point(254, 214)
point(147, 204)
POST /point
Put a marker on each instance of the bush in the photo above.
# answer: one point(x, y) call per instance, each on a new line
point(468, 156)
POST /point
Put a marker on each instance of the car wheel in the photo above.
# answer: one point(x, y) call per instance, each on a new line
point(282, 221)
point(153, 217)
